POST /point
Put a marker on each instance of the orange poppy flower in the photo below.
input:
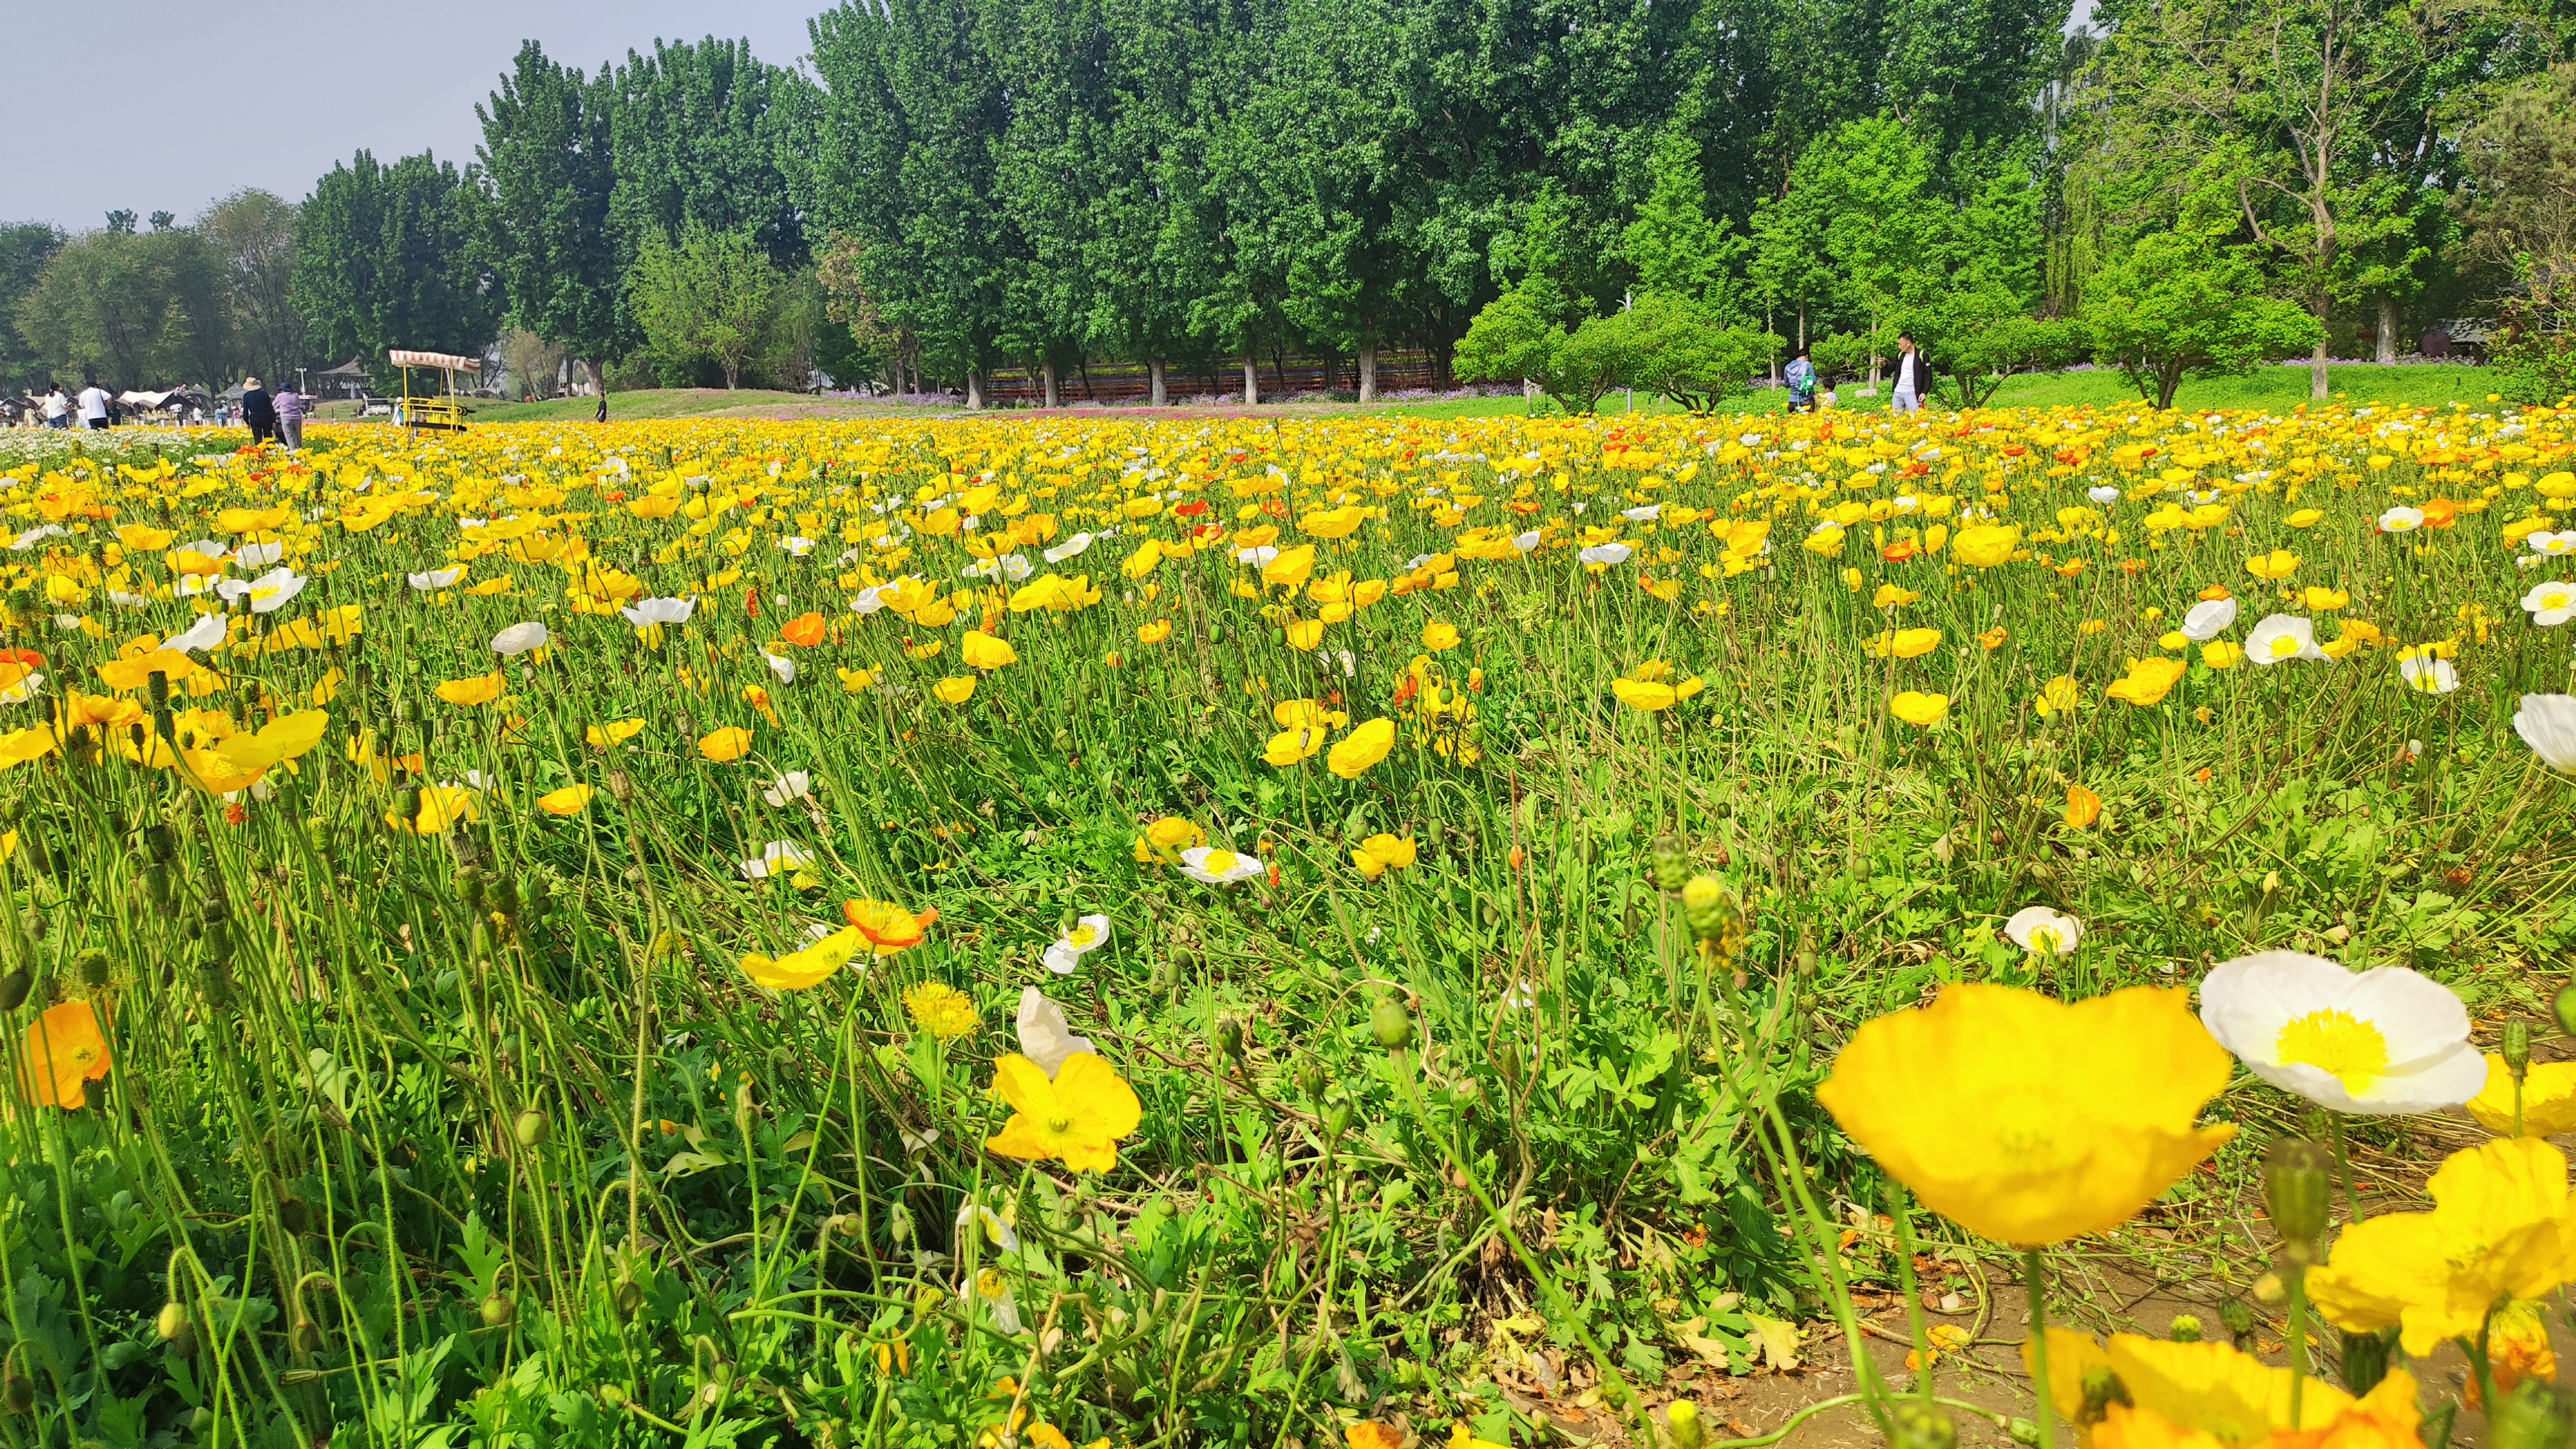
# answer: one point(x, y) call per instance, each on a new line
point(888, 927)
point(65, 1050)
point(805, 631)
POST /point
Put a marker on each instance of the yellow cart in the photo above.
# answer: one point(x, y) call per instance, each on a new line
point(441, 412)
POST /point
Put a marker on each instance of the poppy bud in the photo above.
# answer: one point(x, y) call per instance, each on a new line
point(532, 1129)
point(1229, 1037)
point(1310, 1078)
point(17, 1391)
point(91, 964)
point(2536, 1415)
point(534, 897)
point(1672, 864)
point(307, 1336)
point(497, 1309)
point(899, 1224)
point(1688, 1432)
point(157, 685)
point(13, 989)
point(2022, 1431)
point(2102, 1389)
point(2298, 1184)
point(1912, 1425)
point(201, 1422)
point(295, 1215)
point(469, 887)
point(1714, 914)
point(1391, 1024)
point(2365, 1361)
point(2238, 1318)
point(2517, 1048)
point(2185, 1329)
point(2563, 1006)
point(1337, 1120)
point(172, 1323)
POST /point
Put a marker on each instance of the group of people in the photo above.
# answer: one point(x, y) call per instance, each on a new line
point(276, 417)
point(1912, 381)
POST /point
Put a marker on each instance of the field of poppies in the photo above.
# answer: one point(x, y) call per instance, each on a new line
point(1334, 931)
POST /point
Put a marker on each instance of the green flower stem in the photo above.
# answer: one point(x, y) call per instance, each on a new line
point(2035, 1275)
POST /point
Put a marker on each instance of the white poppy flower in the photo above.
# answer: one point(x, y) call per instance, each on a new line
point(2552, 544)
point(1215, 865)
point(2401, 520)
point(1070, 548)
point(268, 593)
point(777, 856)
point(258, 555)
point(780, 665)
point(205, 548)
point(37, 535)
point(123, 600)
point(2547, 723)
point(794, 785)
point(2043, 932)
point(645, 613)
point(2387, 1040)
point(1646, 513)
point(2103, 493)
point(2208, 619)
point(435, 578)
point(520, 638)
point(996, 1231)
point(2283, 636)
point(1256, 557)
point(1526, 541)
point(871, 598)
point(206, 633)
point(2428, 673)
point(2550, 604)
point(1606, 553)
point(796, 547)
point(1045, 1036)
point(1088, 934)
point(25, 689)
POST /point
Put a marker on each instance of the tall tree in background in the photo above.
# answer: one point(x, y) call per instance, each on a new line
point(713, 296)
point(1050, 56)
point(252, 233)
point(1154, 215)
point(693, 142)
point(547, 178)
point(134, 310)
point(389, 256)
point(25, 248)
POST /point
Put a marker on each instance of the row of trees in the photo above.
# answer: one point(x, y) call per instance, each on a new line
point(951, 187)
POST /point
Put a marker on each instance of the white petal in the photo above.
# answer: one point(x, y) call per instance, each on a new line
point(2418, 1016)
point(2246, 1002)
point(2445, 1080)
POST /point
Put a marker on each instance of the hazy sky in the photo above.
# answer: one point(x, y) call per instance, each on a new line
point(157, 107)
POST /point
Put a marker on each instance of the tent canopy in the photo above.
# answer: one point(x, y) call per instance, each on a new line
point(446, 360)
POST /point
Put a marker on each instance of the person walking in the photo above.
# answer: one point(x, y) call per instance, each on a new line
point(289, 407)
point(1913, 377)
point(1800, 375)
point(58, 408)
point(257, 411)
point(93, 407)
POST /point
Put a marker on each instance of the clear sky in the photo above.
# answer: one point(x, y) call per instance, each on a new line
point(151, 106)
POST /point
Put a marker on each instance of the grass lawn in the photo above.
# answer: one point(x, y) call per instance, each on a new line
point(2274, 388)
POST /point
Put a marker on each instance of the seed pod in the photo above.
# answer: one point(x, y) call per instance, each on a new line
point(1714, 914)
point(469, 887)
point(534, 897)
point(2102, 1389)
point(91, 964)
point(2517, 1048)
point(214, 911)
point(1672, 864)
point(156, 885)
point(1229, 1038)
point(1391, 1024)
point(2238, 1318)
point(1913, 1424)
point(2298, 1184)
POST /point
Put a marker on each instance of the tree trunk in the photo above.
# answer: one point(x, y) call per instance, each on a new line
point(974, 389)
point(1251, 380)
point(1279, 360)
point(2318, 388)
point(1768, 321)
point(1368, 371)
point(1154, 370)
point(1084, 367)
point(1051, 392)
point(2387, 330)
point(733, 375)
point(1802, 324)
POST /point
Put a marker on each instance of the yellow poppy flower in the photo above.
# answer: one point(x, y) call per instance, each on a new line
point(65, 1050)
point(1379, 854)
point(726, 745)
point(979, 650)
point(1077, 1117)
point(2280, 563)
point(803, 970)
point(570, 800)
point(954, 690)
point(2083, 807)
point(1917, 708)
point(2500, 1225)
point(2548, 1098)
point(2148, 682)
point(1154, 633)
point(468, 693)
point(1165, 839)
point(615, 732)
point(1985, 545)
point(2085, 1120)
point(1363, 747)
point(1439, 637)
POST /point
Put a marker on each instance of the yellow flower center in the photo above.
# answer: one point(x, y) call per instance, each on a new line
point(1081, 936)
point(1217, 862)
point(2337, 1043)
point(1059, 1124)
point(2032, 1133)
point(2285, 646)
point(2044, 941)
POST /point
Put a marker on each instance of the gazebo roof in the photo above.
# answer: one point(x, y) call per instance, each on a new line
point(354, 367)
